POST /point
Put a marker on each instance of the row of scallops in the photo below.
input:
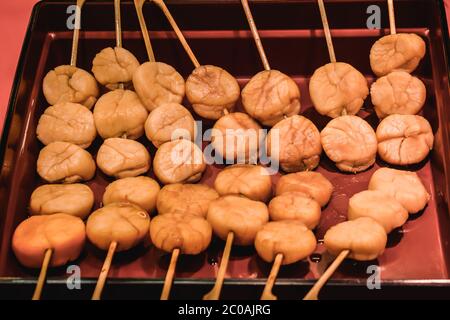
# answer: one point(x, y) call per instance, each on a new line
point(188, 214)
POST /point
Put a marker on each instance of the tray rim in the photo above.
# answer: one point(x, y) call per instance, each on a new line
point(186, 281)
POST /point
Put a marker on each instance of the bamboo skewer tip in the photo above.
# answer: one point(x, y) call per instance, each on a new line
point(42, 275)
point(104, 272)
point(267, 293)
point(170, 274)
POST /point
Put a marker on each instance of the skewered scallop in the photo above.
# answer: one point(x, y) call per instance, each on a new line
point(74, 199)
point(312, 184)
point(123, 158)
point(350, 142)
point(185, 199)
point(251, 181)
point(70, 84)
point(364, 237)
point(295, 206)
point(297, 144)
point(141, 191)
point(63, 233)
point(404, 139)
point(120, 113)
point(179, 161)
point(189, 233)
point(379, 206)
point(397, 93)
point(237, 137)
point(67, 122)
point(112, 66)
point(396, 52)
point(157, 83)
point(404, 186)
point(290, 238)
point(168, 122)
point(211, 90)
point(124, 223)
point(242, 216)
point(338, 89)
point(65, 162)
point(271, 95)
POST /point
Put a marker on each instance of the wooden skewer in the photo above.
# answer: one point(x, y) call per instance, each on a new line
point(118, 24)
point(326, 29)
point(148, 45)
point(76, 33)
point(42, 275)
point(259, 46)
point(391, 16)
point(267, 293)
point(169, 276)
point(214, 294)
point(104, 272)
point(187, 48)
point(313, 294)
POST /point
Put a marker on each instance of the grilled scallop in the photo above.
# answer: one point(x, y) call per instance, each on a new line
point(63, 233)
point(270, 96)
point(211, 90)
point(350, 142)
point(65, 162)
point(70, 84)
point(338, 89)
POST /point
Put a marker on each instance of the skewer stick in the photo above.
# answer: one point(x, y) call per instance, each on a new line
point(267, 293)
point(214, 294)
point(313, 294)
point(42, 275)
point(104, 273)
point(169, 276)
point(181, 38)
point(148, 45)
point(251, 22)
point(76, 33)
point(118, 24)
point(391, 16)
point(326, 29)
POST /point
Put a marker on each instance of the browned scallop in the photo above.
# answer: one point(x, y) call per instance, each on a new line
point(74, 199)
point(237, 137)
point(70, 84)
point(185, 199)
point(123, 158)
point(242, 216)
point(63, 233)
point(379, 206)
point(295, 206)
point(294, 143)
point(396, 52)
point(292, 239)
point(168, 122)
point(404, 139)
point(312, 184)
point(397, 93)
point(141, 191)
point(270, 96)
point(113, 66)
point(125, 223)
point(120, 114)
point(338, 89)
point(65, 162)
point(179, 161)
point(251, 181)
point(211, 90)
point(404, 186)
point(364, 237)
point(350, 142)
point(157, 83)
point(67, 122)
point(189, 233)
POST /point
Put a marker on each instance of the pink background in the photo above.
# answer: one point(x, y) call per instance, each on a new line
point(14, 16)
